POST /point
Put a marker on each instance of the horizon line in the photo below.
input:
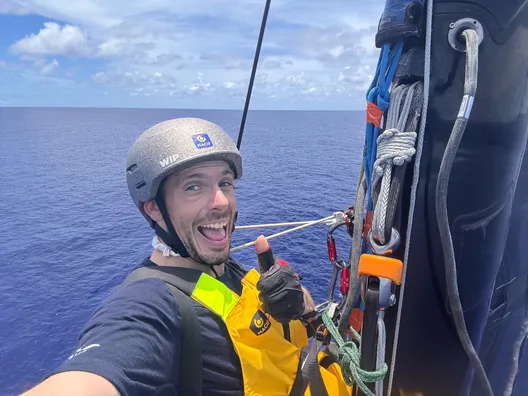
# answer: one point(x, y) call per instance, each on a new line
point(168, 108)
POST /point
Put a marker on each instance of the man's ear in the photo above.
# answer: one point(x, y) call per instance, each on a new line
point(151, 208)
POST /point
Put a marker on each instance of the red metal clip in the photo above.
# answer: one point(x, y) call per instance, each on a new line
point(344, 282)
point(332, 252)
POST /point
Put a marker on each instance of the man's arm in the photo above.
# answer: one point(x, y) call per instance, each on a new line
point(74, 383)
point(131, 346)
point(309, 303)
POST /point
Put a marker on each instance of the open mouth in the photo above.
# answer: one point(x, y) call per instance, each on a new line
point(214, 232)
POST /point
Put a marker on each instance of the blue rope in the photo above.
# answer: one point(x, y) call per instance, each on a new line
point(378, 94)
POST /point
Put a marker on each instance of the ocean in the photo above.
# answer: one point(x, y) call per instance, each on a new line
point(70, 233)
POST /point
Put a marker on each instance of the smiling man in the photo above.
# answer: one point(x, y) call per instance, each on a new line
point(202, 202)
point(189, 317)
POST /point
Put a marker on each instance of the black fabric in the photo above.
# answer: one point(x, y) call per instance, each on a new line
point(301, 379)
point(135, 339)
point(191, 348)
point(317, 386)
point(192, 344)
point(178, 277)
point(308, 373)
point(281, 293)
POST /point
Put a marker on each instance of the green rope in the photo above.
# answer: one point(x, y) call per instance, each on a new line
point(348, 359)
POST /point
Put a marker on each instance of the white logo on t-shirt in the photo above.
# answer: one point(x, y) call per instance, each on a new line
point(83, 349)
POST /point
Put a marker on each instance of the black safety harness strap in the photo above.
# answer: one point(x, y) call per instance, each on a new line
point(192, 344)
point(308, 372)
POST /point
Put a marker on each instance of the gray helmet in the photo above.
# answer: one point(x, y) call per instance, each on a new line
point(172, 146)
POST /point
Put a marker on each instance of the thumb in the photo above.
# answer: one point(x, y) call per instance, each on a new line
point(265, 256)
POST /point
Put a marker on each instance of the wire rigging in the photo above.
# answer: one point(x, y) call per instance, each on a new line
point(253, 72)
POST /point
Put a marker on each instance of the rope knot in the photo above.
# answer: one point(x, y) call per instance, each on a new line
point(348, 355)
point(394, 148)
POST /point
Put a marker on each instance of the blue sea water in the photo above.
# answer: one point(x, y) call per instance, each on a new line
point(69, 232)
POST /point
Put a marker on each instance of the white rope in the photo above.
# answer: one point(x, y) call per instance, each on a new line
point(311, 223)
point(271, 225)
point(394, 149)
point(380, 356)
point(508, 389)
point(442, 215)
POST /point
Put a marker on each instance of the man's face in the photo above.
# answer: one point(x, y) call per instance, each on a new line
point(201, 203)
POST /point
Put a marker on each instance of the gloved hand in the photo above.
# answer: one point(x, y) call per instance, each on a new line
point(281, 293)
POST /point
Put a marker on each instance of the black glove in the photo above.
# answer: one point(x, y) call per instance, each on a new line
point(281, 293)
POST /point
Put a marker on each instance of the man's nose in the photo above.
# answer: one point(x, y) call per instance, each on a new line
point(219, 199)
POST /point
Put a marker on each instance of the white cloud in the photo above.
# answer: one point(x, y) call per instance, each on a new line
point(12, 7)
point(171, 48)
point(50, 68)
point(53, 39)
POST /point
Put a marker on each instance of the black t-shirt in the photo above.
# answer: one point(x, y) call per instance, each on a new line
point(134, 341)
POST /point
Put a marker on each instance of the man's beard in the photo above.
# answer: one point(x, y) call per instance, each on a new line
point(215, 257)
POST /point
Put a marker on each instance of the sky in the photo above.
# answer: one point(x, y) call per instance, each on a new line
point(187, 54)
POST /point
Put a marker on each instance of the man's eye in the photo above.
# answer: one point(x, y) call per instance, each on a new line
point(228, 184)
point(194, 187)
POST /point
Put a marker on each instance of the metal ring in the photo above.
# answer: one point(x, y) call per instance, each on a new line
point(335, 226)
point(456, 29)
point(387, 248)
point(340, 264)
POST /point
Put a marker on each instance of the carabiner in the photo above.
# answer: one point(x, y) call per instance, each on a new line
point(330, 241)
point(339, 266)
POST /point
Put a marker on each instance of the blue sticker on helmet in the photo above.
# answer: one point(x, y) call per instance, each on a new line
point(202, 140)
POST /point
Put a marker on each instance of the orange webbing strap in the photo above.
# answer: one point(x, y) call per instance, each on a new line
point(374, 114)
point(356, 319)
point(368, 223)
point(381, 266)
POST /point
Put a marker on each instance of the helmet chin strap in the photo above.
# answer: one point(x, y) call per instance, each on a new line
point(170, 238)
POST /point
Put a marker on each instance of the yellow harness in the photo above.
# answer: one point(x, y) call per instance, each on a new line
point(276, 359)
point(271, 364)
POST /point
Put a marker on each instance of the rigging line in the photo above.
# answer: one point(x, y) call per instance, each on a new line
point(470, 87)
point(430, 4)
point(253, 72)
point(311, 223)
point(270, 225)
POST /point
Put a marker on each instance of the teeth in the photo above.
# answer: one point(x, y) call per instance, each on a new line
point(215, 225)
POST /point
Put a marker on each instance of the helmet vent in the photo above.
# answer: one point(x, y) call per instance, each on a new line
point(132, 168)
point(140, 185)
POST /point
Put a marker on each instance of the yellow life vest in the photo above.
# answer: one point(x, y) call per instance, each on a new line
point(271, 364)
